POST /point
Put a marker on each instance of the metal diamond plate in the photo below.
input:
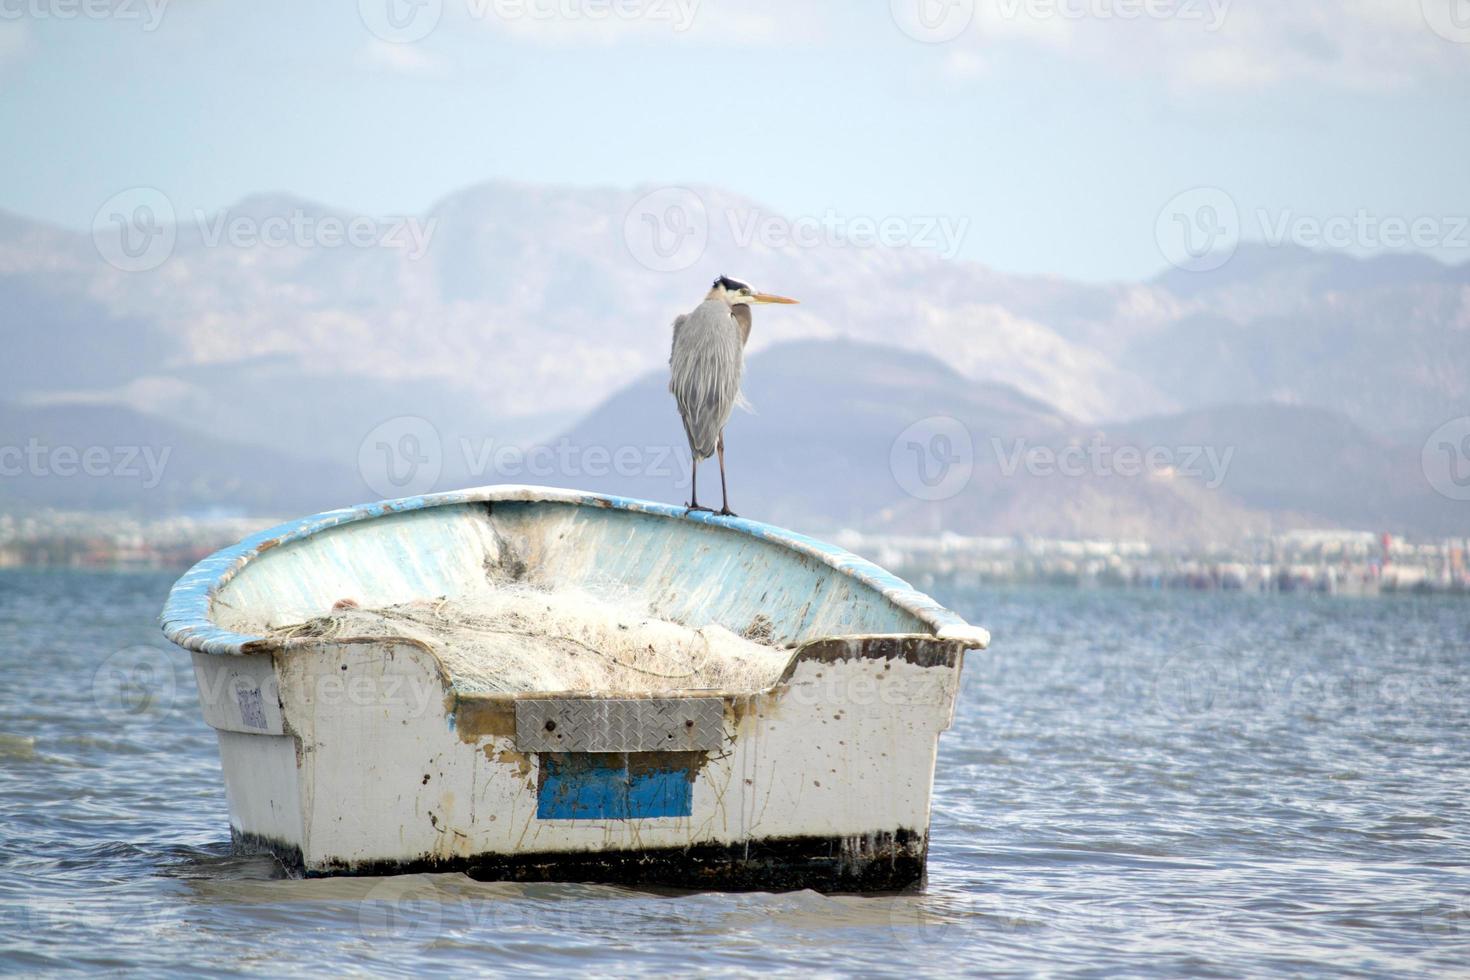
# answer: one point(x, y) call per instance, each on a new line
point(606, 725)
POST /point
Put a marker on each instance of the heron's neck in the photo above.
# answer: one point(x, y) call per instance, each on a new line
point(743, 322)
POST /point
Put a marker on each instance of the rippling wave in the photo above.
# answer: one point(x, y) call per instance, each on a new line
point(1135, 783)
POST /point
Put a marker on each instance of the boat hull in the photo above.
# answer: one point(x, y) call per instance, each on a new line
point(357, 759)
point(362, 756)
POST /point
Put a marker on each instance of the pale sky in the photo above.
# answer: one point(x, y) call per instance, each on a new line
point(1060, 130)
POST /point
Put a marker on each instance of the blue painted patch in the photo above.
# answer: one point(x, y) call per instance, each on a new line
point(615, 786)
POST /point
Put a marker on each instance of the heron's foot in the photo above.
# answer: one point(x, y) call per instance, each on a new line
point(696, 509)
point(727, 512)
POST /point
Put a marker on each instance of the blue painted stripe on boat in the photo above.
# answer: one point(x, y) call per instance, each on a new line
point(186, 621)
point(584, 786)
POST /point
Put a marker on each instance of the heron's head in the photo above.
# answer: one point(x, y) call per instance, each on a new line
point(737, 293)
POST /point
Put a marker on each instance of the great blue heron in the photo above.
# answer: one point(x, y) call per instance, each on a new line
point(705, 367)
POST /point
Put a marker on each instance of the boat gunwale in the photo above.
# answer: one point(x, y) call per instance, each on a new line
point(186, 617)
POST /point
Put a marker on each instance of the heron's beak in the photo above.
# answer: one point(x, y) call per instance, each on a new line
point(768, 298)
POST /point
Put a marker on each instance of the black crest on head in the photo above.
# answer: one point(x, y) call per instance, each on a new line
point(732, 285)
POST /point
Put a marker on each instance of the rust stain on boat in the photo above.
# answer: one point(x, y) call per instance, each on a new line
point(523, 762)
point(477, 718)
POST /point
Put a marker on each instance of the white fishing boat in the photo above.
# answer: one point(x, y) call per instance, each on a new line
point(535, 684)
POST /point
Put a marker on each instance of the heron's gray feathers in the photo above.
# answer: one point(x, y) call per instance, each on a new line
point(743, 320)
point(704, 373)
point(678, 322)
point(742, 317)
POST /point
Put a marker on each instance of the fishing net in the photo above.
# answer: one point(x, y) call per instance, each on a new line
point(523, 640)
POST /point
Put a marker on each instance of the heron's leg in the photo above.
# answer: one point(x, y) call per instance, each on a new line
point(725, 510)
point(694, 484)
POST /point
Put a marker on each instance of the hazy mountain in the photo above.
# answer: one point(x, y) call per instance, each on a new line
point(508, 311)
point(815, 450)
point(527, 302)
point(843, 434)
point(1312, 462)
point(828, 446)
point(1385, 340)
point(91, 457)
